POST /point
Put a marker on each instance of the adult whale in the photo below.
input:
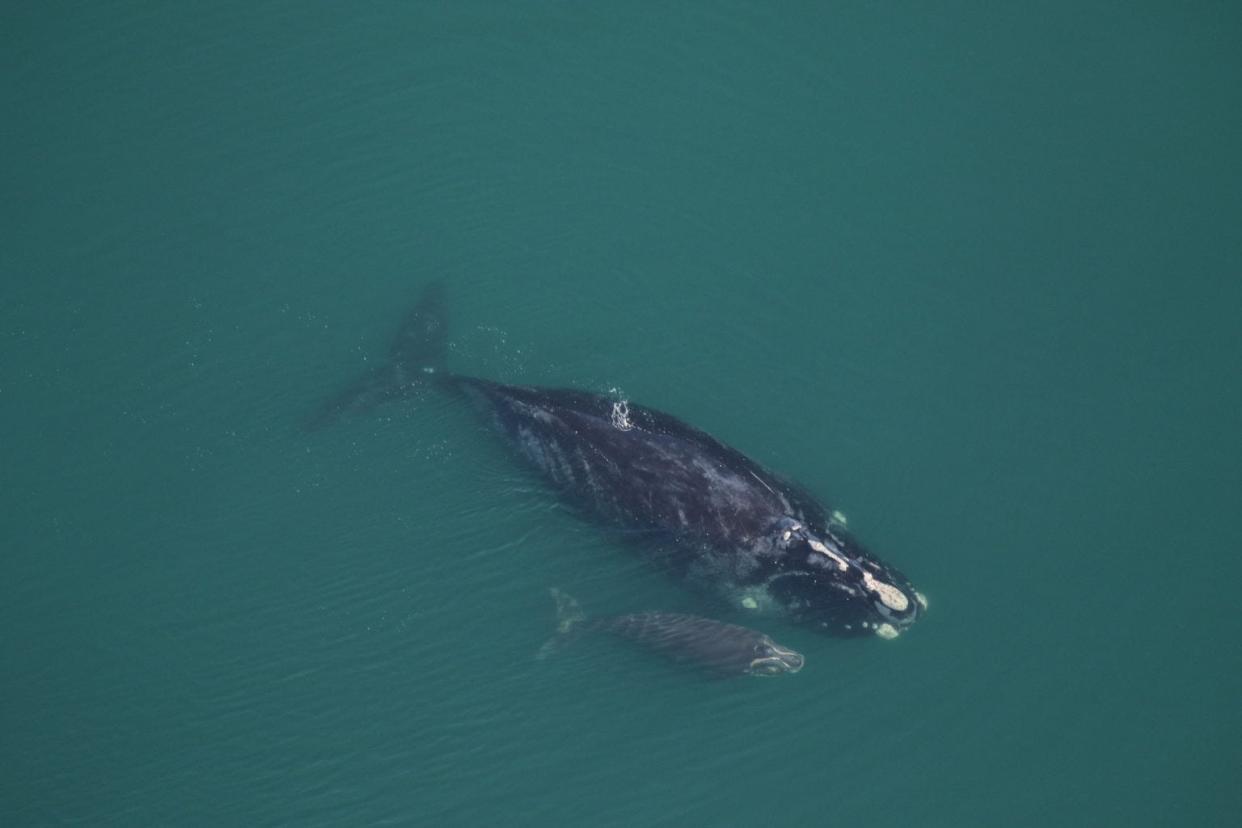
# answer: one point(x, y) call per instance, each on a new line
point(716, 518)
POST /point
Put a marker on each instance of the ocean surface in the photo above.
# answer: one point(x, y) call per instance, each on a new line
point(968, 271)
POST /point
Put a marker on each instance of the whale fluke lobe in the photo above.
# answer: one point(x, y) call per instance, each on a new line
point(422, 340)
point(417, 353)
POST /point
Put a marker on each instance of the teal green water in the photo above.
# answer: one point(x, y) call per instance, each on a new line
point(970, 272)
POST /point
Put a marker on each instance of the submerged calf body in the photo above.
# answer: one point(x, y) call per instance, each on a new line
point(724, 649)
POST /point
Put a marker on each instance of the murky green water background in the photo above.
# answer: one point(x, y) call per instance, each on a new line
point(971, 272)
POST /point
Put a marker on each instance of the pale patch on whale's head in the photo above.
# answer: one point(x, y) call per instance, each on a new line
point(830, 581)
point(888, 595)
point(758, 600)
point(771, 659)
point(886, 630)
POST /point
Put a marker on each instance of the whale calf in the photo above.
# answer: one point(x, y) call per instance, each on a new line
point(718, 647)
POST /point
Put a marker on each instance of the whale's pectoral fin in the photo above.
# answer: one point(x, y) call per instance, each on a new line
point(414, 358)
point(359, 397)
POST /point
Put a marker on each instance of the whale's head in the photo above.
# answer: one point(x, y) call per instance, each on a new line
point(827, 580)
point(771, 659)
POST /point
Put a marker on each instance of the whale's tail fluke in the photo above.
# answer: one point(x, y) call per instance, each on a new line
point(417, 353)
point(422, 340)
point(568, 618)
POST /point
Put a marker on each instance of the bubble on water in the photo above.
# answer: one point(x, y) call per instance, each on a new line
point(621, 416)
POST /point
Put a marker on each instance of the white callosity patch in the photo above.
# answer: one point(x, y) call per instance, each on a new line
point(822, 549)
point(921, 598)
point(883, 629)
point(890, 596)
point(758, 599)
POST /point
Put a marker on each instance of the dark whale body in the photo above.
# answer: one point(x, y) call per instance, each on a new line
point(718, 519)
point(715, 646)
